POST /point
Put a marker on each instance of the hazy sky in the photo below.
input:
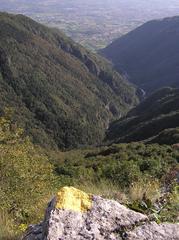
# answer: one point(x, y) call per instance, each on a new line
point(95, 22)
point(170, 6)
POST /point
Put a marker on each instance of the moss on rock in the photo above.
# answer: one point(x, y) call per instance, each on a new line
point(70, 198)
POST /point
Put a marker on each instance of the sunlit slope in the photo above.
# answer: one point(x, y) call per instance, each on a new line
point(62, 94)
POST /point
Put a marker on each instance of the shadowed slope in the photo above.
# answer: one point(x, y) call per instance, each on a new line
point(155, 119)
point(149, 54)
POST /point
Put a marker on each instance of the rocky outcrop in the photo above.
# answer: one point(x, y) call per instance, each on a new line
point(75, 215)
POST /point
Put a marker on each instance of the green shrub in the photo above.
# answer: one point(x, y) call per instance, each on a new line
point(26, 176)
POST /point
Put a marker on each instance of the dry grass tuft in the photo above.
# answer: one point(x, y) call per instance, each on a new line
point(142, 189)
point(105, 189)
point(7, 231)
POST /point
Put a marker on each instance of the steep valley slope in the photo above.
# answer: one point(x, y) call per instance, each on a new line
point(61, 94)
point(148, 55)
point(156, 120)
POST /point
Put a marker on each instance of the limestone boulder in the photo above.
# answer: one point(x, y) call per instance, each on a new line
point(75, 215)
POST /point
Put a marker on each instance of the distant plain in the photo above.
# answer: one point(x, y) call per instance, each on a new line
point(93, 24)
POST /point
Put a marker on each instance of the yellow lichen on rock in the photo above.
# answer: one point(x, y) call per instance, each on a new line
point(70, 198)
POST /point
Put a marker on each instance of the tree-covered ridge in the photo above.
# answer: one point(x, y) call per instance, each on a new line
point(63, 95)
point(148, 54)
point(156, 119)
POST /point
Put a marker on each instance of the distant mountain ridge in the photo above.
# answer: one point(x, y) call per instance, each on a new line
point(62, 94)
point(149, 55)
point(155, 120)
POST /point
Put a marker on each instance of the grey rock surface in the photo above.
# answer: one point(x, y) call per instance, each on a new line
point(107, 219)
point(153, 231)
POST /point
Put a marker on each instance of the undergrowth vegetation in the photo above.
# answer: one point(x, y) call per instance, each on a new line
point(122, 164)
point(141, 176)
point(26, 179)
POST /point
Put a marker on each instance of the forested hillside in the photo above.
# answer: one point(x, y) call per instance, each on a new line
point(156, 119)
point(149, 55)
point(62, 95)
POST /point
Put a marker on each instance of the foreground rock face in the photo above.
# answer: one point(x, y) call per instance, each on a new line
point(154, 231)
point(75, 215)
